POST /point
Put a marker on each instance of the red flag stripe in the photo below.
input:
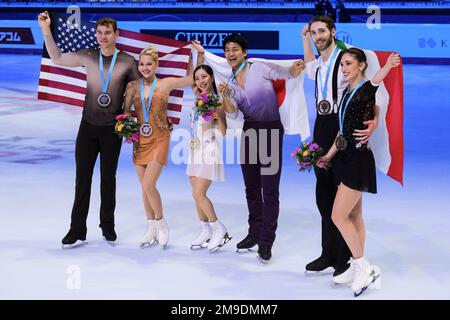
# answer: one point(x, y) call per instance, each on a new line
point(137, 50)
point(176, 93)
point(63, 72)
point(61, 85)
point(150, 38)
point(61, 99)
point(175, 120)
point(174, 107)
point(394, 118)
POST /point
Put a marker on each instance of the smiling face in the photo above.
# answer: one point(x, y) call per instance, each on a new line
point(234, 55)
point(106, 37)
point(351, 67)
point(147, 66)
point(321, 35)
point(203, 81)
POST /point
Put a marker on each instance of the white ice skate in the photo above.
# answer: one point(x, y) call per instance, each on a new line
point(365, 276)
point(345, 277)
point(219, 236)
point(203, 237)
point(162, 232)
point(149, 237)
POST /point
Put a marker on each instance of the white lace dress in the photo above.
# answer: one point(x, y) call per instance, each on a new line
point(206, 161)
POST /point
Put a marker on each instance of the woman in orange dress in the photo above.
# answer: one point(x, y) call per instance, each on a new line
point(150, 95)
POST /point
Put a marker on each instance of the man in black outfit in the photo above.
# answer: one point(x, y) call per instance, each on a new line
point(108, 72)
point(330, 84)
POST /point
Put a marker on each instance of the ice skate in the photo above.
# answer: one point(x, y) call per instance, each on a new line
point(264, 253)
point(149, 237)
point(110, 236)
point(318, 265)
point(203, 237)
point(246, 245)
point(365, 276)
point(345, 277)
point(219, 236)
point(72, 240)
point(162, 232)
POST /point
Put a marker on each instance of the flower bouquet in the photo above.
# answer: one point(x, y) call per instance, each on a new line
point(307, 156)
point(127, 127)
point(206, 104)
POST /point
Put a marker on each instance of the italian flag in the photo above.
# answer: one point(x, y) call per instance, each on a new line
point(387, 140)
point(290, 95)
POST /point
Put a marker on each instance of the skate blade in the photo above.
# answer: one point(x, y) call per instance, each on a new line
point(163, 246)
point(225, 240)
point(147, 244)
point(374, 282)
point(246, 250)
point(111, 243)
point(263, 261)
point(199, 246)
point(78, 243)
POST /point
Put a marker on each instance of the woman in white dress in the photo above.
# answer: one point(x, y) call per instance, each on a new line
point(206, 163)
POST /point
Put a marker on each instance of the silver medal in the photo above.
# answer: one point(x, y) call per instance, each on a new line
point(146, 130)
point(341, 143)
point(194, 144)
point(228, 92)
point(324, 107)
point(104, 100)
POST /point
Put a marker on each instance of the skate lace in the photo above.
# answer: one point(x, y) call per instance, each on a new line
point(358, 270)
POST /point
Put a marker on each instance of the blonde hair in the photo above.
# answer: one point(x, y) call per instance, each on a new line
point(151, 52)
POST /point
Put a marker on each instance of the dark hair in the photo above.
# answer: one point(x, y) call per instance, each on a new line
point(236, 38)
point(359, 55)
point(107, 22)
point(325, 19)
point(209, 71)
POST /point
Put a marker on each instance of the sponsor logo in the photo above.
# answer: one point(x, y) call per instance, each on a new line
point(344, 36)
point(16, 36)
point(263, 40)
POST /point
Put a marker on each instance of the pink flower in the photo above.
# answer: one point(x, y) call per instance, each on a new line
point(314, 147)
point(204, 97)
point(121, 116)
point(207, 116)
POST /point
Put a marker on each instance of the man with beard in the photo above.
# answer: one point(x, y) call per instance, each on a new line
point(330, 84)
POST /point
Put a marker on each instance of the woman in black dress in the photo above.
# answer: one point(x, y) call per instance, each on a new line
point(355, 163)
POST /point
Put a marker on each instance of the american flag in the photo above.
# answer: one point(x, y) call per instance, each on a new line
point(68, 85)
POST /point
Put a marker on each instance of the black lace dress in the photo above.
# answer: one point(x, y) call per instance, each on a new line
point(355, 166)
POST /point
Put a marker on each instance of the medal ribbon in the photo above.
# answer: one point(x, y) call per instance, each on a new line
point(330, 66)
point(342, 114)
point(105, 84)
point(145, 107)
point(239, 70)
point(194, 118)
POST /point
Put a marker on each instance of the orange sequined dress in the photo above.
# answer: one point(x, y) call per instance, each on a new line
point(156, 146)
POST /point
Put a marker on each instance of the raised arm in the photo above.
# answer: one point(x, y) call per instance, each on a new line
point(188, 80)
point(200, 51)
point(392, 62)
point(69, 59)
point(307, 47)
point(296, 68)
